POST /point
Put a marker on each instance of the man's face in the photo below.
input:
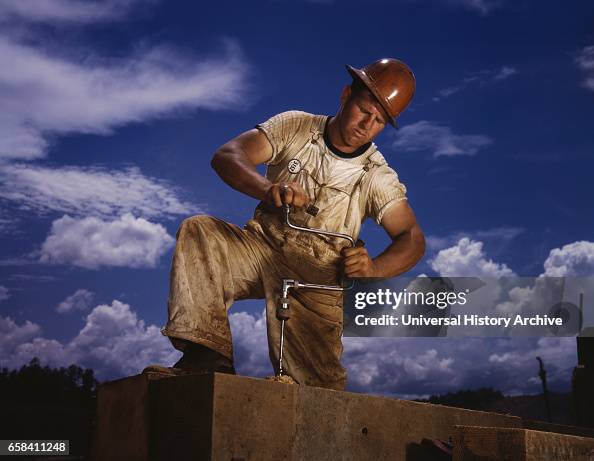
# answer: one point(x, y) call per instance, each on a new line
point(361, 117)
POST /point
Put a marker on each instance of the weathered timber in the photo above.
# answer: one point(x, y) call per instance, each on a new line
point(223, 417)
point(509, 444)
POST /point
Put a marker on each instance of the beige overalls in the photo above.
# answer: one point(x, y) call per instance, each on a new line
point(216, 262)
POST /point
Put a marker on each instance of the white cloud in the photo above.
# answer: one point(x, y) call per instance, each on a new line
point(512, 296)
point(585, 61)
point(92, 242)
point(80, 300)
point(505, 72)
point(447, 92)
point(41, 94)
point(467, 259)
point(573, 260)
point(250, 344)
point(82, 11)
point(116, 343)
point(113, 337)
point(480, 78)
point(12, 335)
point(428, 136)
point(4, 293)
point(113, 341)
point(419, 367)
point(83, 191)
point(499, 235)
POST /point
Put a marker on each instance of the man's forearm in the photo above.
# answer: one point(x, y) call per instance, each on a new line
point(401, 255)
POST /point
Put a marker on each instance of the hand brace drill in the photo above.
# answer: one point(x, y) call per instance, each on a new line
point(282, 310)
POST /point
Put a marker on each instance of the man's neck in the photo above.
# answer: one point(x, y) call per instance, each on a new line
point(335, 137)
point(336, 143)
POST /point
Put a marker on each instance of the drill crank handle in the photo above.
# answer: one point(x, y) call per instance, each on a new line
point(316, 231)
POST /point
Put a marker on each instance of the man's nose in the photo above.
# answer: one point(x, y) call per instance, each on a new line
point(366, 122)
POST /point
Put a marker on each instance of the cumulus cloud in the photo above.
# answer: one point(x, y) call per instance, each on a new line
point(387, 372)
point(429, 136)
point(4, 293)
point(501, 235)
point(92, 242)
point(467, 259)
point(573, 260)
point(250, 344)
point(114, 337)
point(419, 367)
point(585, 61)
point(114, 342)
point(65, 11)
point(527, 297)
point(80, 300)
point(42, 94)
point(84, 191)
point(12, 335)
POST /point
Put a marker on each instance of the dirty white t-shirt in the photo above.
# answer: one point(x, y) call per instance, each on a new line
point(345, 190)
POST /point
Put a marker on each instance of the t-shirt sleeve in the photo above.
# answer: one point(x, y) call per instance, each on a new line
point(281, 130)
point(385, 190)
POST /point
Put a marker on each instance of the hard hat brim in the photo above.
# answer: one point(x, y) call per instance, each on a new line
point(360, 75)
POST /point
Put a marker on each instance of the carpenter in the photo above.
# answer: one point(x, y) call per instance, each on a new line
point(332, 175)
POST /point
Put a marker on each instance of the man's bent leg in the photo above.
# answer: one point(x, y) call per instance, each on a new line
point(214, 263)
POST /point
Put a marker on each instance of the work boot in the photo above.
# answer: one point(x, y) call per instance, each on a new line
point(197, 359)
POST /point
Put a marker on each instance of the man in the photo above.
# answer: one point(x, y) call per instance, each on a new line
point(332, 175)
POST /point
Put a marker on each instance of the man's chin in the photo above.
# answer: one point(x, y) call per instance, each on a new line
point(355, 142)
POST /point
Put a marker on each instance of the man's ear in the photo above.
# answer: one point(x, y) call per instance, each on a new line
point(345, 94)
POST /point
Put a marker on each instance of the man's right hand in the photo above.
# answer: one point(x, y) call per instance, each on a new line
point(287, 193)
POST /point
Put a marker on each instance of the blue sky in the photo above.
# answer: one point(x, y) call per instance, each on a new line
point(110, 112)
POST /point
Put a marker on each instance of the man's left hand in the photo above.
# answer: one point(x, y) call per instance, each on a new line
point(357, 263)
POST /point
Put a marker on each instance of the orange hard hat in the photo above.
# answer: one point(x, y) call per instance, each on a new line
point(390, 81)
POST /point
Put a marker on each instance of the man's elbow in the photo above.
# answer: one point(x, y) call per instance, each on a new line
point(218, 160)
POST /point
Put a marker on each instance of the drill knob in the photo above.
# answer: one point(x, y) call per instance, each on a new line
point(282, 311)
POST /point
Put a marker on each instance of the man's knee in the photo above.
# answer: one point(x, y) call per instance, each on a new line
point(194, 222)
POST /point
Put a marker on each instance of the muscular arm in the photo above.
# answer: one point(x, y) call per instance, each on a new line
point(235, 162)
point(406, 249)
